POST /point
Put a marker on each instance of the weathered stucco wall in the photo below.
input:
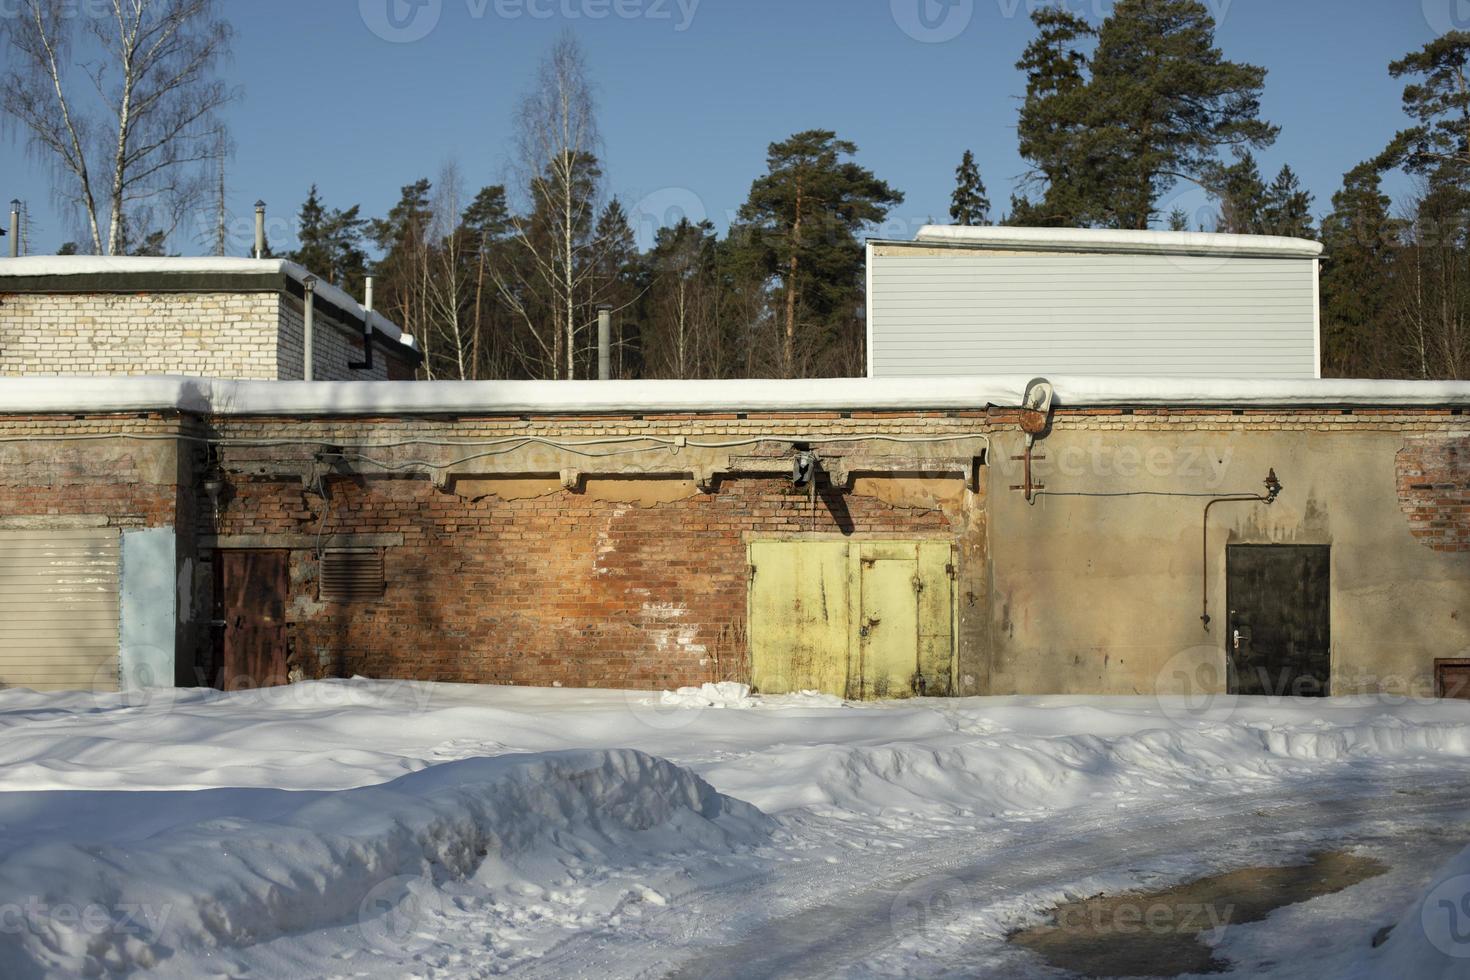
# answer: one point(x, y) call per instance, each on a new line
point(1102, 594)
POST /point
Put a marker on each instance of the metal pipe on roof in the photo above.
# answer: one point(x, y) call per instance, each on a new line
point(604, 343)
point(308, 330)
point(260, 229)
point(15, 229)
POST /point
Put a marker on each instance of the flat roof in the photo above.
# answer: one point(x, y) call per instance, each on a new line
point(1109, 240)
point(130, 273)
point(70, 395)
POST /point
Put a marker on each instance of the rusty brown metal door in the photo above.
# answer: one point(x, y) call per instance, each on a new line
point(1452, 679)
point(252, 609)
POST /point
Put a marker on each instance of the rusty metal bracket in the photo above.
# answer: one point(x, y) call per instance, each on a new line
point(1030, 486)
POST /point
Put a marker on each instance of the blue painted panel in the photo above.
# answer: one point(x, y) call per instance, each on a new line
point(149, 608)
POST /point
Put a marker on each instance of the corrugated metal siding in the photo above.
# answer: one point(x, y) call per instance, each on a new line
point(968, 314)
point(59, 609)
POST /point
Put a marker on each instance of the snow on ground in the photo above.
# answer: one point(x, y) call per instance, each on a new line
point(360, 828)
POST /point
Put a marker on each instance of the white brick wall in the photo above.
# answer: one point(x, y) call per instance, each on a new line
point(245, 336)
point(336, 347)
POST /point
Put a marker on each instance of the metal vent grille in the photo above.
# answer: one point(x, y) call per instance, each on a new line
point(351, 575)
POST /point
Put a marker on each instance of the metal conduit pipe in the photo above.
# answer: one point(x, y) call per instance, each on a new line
point(1273, 490)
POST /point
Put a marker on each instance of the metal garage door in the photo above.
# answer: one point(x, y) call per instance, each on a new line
point(58, 609)
point(869, 619)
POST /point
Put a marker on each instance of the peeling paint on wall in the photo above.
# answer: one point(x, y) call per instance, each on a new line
point(640, 492)
point(504, 487)
point(914, 493)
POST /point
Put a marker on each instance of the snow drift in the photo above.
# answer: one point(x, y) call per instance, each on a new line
point(227, 883)
point(1432, 940)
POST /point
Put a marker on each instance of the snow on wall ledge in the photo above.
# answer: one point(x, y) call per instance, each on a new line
point(43, 395)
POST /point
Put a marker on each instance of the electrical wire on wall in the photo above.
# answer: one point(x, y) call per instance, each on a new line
point(504, 446)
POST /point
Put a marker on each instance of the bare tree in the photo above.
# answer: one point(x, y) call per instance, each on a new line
point(452, 306)
point(557, 143)
point(123, 105)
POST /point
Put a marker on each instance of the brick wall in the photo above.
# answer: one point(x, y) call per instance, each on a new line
point(336, 347)
point(50, 478)
point(218, 335)
point(244, 336)
point(555, 590)
point(1434, 490)
point(570, 587)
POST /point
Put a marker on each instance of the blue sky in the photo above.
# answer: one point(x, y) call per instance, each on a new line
point(340, 93)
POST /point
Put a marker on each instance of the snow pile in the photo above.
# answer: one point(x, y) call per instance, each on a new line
point(987, 770)
point(1432, 940)
point(726, 694)
point(231, 882)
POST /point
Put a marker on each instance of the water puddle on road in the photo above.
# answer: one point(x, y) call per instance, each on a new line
point(1164, 933)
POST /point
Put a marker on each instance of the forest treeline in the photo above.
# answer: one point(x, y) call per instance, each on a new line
point(1122, 118)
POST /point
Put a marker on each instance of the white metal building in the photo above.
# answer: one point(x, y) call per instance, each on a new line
point(987, 301)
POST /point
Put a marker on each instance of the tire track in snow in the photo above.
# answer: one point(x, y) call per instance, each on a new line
point(826, 920)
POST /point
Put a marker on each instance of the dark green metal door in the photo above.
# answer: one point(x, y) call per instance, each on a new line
point(1280, 630)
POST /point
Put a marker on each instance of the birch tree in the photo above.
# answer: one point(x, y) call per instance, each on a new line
point(557, 143)
point(123, 104)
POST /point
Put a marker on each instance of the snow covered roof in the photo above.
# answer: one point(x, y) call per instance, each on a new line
point(1105, 240)
point(197, 271)
point(31, 395)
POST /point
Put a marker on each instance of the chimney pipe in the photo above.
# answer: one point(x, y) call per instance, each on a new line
point(366, 364)
point(604, 343)
point(308, 330)
point(15, 229)
point(260, 229)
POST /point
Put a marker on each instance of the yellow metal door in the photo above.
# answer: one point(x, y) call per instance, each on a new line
point(799, 617)
point(905, 636)
point(936, 617)
point(888, 624)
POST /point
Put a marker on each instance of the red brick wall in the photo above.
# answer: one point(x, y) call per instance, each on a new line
point(563, 589)
point(1434, 490)
point(52, 477)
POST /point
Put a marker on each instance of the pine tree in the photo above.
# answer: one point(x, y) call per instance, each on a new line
point(1053, 126)
point(1110, 132)
point(1288, 207)
point(1242, 195)
point(153, 245)
point(1179, 220)
point(802, 220)
point(330, 243)
point(1438, 147)
point(1362, 243)
point(969, 205)
point(401, 289)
